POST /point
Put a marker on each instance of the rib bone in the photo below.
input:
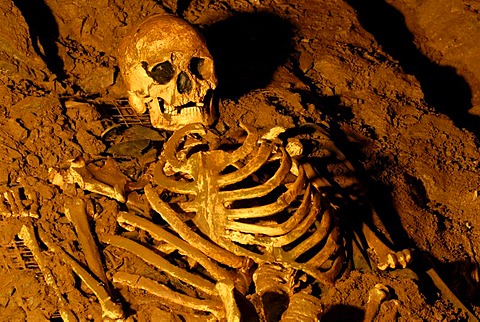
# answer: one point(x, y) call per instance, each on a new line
point(135, 281)
point(159, 234)
point(159, 262)
point(269, 226)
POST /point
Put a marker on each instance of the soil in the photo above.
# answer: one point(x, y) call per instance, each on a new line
point(397, 82)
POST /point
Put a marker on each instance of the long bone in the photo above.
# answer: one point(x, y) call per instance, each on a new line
point(110, 309)
point(76, 213)
point(27, 234)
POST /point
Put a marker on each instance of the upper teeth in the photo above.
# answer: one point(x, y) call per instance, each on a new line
point(184, 110)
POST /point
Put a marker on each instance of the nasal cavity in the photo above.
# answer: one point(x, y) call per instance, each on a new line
point(184, 84)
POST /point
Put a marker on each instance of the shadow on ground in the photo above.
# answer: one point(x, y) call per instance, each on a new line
point(343, 313)
point(44, 33)
point(444, 89)
point(247, 49)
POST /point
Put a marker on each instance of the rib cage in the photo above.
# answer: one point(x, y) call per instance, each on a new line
point(253, 222)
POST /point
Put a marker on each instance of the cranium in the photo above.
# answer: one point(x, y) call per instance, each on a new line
point(168, 69)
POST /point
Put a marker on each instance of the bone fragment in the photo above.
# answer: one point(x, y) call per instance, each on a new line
point(84, 178)
point(75, 212)
point(376, 296)
point(139, 282)
point(225, 289)
point(11, 204)
point(29, 239)
point(273, 133)
point(110, 309)
point(80, 174)
point(294, 147)
point(109, 173)
point(387, 257)
point(448, 294)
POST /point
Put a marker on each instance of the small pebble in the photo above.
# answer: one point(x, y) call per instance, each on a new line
point(33, 160)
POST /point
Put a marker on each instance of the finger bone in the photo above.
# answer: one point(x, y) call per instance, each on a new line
point(375, 298)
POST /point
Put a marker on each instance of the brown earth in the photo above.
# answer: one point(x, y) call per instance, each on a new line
point(398, 82)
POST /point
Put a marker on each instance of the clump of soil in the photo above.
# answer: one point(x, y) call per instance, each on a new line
point(397, 82)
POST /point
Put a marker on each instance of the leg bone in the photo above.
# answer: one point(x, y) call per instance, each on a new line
point(75, 212)
point(30, 240)
point(110, 309)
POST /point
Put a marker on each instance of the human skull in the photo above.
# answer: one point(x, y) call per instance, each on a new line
point(168, 69)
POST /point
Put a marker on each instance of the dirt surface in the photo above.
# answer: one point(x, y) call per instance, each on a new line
point(397, 82)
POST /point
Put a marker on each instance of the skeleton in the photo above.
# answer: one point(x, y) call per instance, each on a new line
point(252, 212)
point(234, 227)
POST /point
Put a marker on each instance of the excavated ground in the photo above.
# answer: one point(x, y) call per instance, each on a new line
point(398, 82)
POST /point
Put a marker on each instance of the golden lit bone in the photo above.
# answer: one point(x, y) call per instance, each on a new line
point(11, 203)
point(160, 234)
point(215, 252)
point(75, 212)
point(80, 174)
point(233, 227)
point(156, 260)
point(110, 309)
point(376, 296)
point(30, 240)
point(136, 281)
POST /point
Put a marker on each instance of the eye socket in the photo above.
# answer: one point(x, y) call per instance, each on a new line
point(162, 73)
point(198, 67)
